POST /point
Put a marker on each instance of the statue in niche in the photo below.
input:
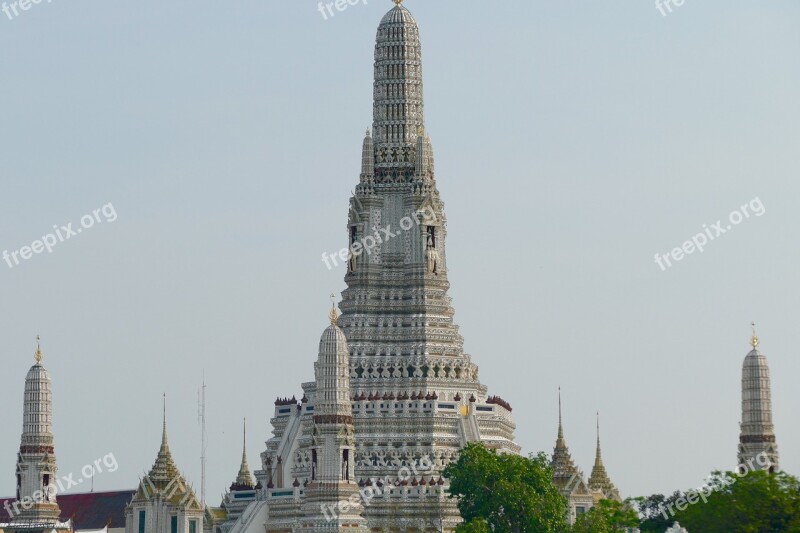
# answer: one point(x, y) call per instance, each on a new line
point(351, 264)
point(432, 256)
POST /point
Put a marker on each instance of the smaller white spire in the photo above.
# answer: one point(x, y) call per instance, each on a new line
point(757, 448)
point(368, 158)
point(36, 461)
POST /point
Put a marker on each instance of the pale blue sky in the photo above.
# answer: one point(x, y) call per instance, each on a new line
point(574, 140)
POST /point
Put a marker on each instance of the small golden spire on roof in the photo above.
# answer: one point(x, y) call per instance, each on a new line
point(334, 315)
point(398, 2)
point(754, 342)
point(38, 355)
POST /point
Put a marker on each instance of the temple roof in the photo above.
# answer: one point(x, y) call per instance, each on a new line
point(93, 510)
point(165, 480)
point(398, 15)
point(164, 469)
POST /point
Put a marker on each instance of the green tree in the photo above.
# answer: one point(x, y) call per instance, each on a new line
point(757, 502)
point(505, 493)
point(607, 517)
point(479, 525)
point(654, 511)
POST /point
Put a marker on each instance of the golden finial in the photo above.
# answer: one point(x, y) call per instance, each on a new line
point(754, 339)
point(398, 2)
point(38, 350)
point(334, 315)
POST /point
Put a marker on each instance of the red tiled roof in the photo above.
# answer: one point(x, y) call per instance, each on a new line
point(90, 511)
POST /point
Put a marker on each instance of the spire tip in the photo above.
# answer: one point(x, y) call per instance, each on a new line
point(334, 314)
point(38, 354)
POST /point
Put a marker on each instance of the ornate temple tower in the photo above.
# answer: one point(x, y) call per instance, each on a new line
point(567, 477)
point(164, 501)
point(417, 396)
point(36, 461)
point(333, 444)
point(757, 447)
point(599, 482)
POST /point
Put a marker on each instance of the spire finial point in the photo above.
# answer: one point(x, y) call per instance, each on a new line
point(754, 341)
point(598, 430)
point(398, 3)
point(244, 440)
point(560, 425)
point(164, 415)
point(559, 405)
point(334, 314)
point(38, 354)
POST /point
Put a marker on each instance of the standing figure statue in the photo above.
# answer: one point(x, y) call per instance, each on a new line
point(432, 256)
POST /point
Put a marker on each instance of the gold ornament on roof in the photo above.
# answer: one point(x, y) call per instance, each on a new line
point(398, 2)
point(38, 355)
point(334, 314)
point(754, 341)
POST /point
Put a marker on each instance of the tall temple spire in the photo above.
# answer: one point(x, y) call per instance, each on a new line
point(402, 345)
point(561, 451)
point(599, 481)
point(758, 448)
point(244, 479)
point(567, 477)
point(398, 108)
point(36, 461)
point(164, 470)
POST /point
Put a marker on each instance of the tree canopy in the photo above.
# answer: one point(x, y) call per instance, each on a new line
point(757, 502)
point(607, 517)
point(506, 493)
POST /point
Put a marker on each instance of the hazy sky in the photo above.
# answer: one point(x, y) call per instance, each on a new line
point(574, 141)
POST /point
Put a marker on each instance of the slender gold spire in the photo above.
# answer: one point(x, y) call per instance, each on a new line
point(599, 480)
point(398, 2)
point(164, 470)
point(243, 480)
point(754, 341)
point(164, 420)
point(244, 437)
point(334, 315)
point(38, 354)
point(598, 455)
point(560, 426)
